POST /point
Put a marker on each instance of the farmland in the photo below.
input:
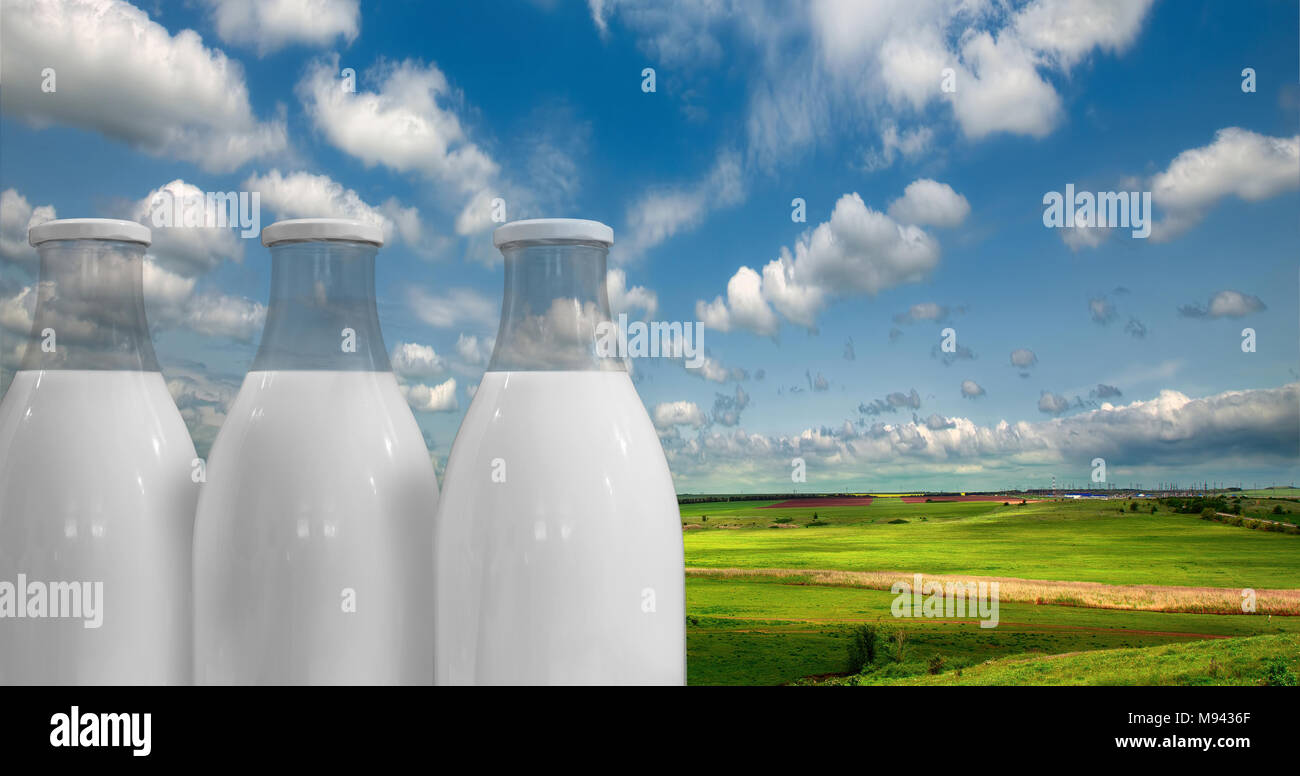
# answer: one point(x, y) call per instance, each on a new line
point(774, 594)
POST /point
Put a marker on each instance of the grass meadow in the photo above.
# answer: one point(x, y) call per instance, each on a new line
point(774, 595)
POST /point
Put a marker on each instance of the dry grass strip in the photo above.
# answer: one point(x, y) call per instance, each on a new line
point(1093, 595)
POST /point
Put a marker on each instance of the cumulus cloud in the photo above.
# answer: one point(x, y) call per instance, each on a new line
point(16, 217)
point(196, 245)
point(623, 299)
point(678, 413)
point(435, 398)
point(929, 203)
point(1231, 429)
point(858, 251)
point(831, 67)
point(1224, 304)
point(971, 389)
point(304, 195)
point(1237, 163)
point(406, 125)
point(413, 360)
point(125, 76)
point(473, 350)
point(270, 25)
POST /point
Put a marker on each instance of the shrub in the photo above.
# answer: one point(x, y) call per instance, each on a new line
point(1278, 510)
point(1153, 509)
point(936, 665)
point(862, 648)
point(1006, 503)
point(1133, 507)
point(784, 520)
point(1278, 674)
point(897, 521)
point(1208, 513)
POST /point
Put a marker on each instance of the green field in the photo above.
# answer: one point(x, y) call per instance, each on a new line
point(1268, 493)
point(770, 630)
point(1250, 661)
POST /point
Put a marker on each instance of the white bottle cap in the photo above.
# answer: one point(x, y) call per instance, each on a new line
point(298, 229)
point(90, 229)
point(577, 229)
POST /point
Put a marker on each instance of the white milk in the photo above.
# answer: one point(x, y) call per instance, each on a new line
point(558, 541)
point(95, 487)
point(312, 538)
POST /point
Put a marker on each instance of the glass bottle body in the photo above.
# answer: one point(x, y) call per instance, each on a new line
point(97, 487)
point(312, 535)
point(558, 548)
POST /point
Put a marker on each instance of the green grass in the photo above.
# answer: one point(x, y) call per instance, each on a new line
point(768, 631)
point(1084, 541)
point(1268, 493)
point(1245, 661)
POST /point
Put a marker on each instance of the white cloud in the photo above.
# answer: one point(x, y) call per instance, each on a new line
point(1023, 358)
point(1067, 30)
point(437, 398)
point(172, 302)
point(910, 143)
point(16, 217)
point(858, 251)
point(189, 250)
point(407, 125)
point(971, 389)
point(473, 350)
point(744, 306)
point(304, 195)
point(1224, 304)
point(453, 308)
point(123, 75)
point(270, 25)
point(662, 213)
point(411, 359)
point(1231, 429)
point(624, 300)
point(1239, 162)
point(678, 413)
point(927, 202)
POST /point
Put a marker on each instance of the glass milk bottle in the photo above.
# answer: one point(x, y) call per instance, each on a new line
point(557, 544)
point(97, 477)
point(311, 545)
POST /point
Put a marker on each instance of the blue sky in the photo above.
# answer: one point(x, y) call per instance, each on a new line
point(1136, 343)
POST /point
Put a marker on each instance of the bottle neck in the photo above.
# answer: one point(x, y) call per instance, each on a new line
point(90, 308)
point(322, 313)
point(554, 306)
